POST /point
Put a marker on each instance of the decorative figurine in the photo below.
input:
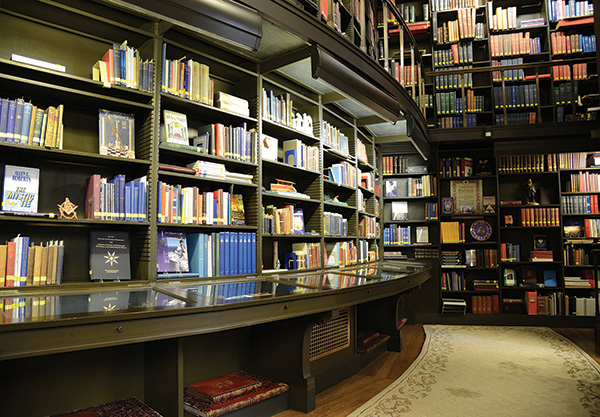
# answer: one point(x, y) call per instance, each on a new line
point(531, 191)
point(67, 209)
point(483, 167)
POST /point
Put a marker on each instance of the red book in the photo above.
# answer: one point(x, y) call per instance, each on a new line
point(10, 263)
point(92, 198)
point(224, 387)
point(196, 406)
point(495, 304)
point(110, 65)
point(531, 301)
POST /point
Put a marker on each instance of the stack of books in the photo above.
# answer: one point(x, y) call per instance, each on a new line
point(227, 393)
point(541, 256)
point(366, 341)
point(454, 305)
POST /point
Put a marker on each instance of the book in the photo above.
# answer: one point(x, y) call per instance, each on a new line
point(238, 217)
point(176, 129)
point(120, 408)
point(224, 387)
point(399, 210)
point(198, 407)
point(172, 252)
point(116, 132)
point(109, 255)
point(20, 189)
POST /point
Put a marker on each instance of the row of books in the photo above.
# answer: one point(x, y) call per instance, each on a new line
point(368, 227)
point(515, 96)
point(502, 18)
point(456, 166)
point(474, 103)
point(448, 102)
point(520, 118)
point(560, 9)
point(582, 182)
point(333, 137)
point(517, 43)
point(485, 304)
point(464, 28)
point(181, 255)
point(591, 227)
point(509, 75)
point(308, 254)
point(116, 198)
point(334, 224)
point(519, 164)
point(563, 72)
point(300, 155)
point(453, 81)
point(453, 281)
point(396, 164)
point(510, 252)
point(565, 92)
point(234, 142)
point(186, 78)
point(459, 53)
point(424, 186)
point(411, 73)
point(341, 253)
point(452, 232)
point(343, 173)
point(453, 122)
point(361, 151)
point(572, 160)
point(539, 217)
point(24, 264)
point(573, 256)
point(286, 220)
point(122, 65)
point(394, 235)
point(580, 204)
point(278, 108)
point(563, 43)
point(441, 5)
point(27, 124)
point(481, 258)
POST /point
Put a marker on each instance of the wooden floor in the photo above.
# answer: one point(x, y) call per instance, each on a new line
point(342, 399)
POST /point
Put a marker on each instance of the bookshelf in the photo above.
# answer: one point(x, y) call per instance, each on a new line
point(469, 233)
point(270, 82)
point(460, 41)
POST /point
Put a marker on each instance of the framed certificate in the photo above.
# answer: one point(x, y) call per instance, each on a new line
point(467, 196)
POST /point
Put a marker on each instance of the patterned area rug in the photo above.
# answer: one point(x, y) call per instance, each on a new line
point(492, 371)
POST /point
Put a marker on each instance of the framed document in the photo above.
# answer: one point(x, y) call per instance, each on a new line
point(467, 196)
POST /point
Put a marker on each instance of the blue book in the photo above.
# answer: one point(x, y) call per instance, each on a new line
point(27, 110)
point(18, 120)
point(164, 74)
point(221, 256)
point(195, 243)
point(253, 257)
point(549, 278)
point(10, 124)
point(234, 259)
point(3, 118)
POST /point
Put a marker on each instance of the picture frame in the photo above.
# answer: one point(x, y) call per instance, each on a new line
point(540, 242)
point(447, 205)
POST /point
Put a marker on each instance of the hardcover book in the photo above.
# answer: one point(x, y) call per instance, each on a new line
point(224, 387)
point(109, 256)
point(172, 252)
point(116, 134)
point(121, 408)
point(238, 215)
point(198, 407)
point(21, 189)
point(176, 129)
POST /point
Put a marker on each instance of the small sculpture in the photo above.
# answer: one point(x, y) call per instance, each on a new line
point(531, 192)
point(67, 209)
point(483, 167)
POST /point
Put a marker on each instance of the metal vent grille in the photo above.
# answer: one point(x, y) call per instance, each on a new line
point(330, 337)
